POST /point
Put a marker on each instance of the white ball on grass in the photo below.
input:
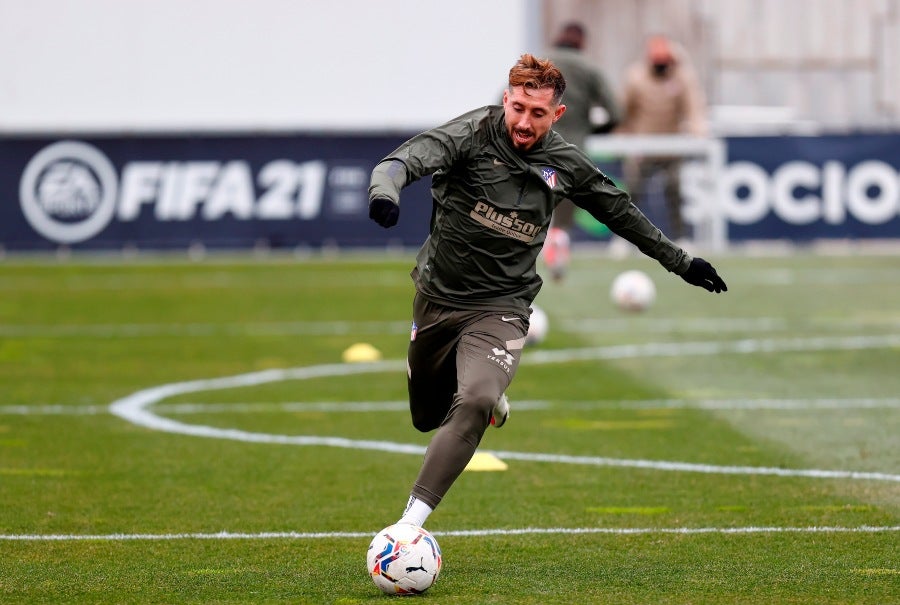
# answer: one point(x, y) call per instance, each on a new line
point(538, 326)
point(404, 559)
point(633, 291)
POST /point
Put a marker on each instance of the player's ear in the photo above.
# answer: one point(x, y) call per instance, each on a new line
point(560, 110)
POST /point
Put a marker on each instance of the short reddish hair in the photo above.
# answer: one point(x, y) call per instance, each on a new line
point(534, 73)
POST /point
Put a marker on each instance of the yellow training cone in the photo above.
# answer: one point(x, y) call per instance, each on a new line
point(361, 352)
point(482, 461)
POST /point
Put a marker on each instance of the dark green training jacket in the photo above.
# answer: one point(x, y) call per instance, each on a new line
point(492, 207)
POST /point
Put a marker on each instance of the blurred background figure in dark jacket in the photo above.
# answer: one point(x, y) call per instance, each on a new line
point(591, 108)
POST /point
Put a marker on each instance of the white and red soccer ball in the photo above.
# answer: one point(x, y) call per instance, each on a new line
point(404, 559)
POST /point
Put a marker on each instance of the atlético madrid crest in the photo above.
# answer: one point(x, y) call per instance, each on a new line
point(549, 175)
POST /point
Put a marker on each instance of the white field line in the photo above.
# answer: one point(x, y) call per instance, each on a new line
point(134, 408)
point(349, 407)
point(615, 531)
point(707, 348)
point(690, 467)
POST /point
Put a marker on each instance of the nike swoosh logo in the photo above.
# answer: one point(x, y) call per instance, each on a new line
point(505, 318)
point(499, 163)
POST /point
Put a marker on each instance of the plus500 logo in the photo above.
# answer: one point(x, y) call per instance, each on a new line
point(800, 193)
point(70, 191)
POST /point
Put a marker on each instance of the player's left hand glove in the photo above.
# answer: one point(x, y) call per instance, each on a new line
point(701, 273)
point(384, 212)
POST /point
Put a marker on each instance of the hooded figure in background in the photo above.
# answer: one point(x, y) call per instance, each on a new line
point(662, 95)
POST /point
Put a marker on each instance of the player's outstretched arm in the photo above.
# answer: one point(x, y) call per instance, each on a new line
point(701, 273)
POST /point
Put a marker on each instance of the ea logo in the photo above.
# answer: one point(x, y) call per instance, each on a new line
point(68, 192)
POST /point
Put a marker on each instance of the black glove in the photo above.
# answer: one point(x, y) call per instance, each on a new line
point(701, 273)
point(384, 212)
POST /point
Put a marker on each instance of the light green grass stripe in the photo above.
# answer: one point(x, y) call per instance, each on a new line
point(628, 510)
point(295, 328)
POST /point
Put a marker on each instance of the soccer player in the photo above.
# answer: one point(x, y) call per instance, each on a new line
point(497, 174)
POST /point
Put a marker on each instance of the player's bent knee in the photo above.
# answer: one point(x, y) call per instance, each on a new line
point(479, 402)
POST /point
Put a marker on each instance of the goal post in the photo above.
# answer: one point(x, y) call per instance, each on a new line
point(705, 161)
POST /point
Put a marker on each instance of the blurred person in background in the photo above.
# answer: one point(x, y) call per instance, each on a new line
point(662, 96)
point(591, 108)
point(498, 173)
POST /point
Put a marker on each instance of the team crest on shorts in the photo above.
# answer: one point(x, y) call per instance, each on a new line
point(413, 332)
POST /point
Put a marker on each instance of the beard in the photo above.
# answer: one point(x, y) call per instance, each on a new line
point(522, 140)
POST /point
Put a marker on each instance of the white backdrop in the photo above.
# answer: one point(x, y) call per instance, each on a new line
point(117, 65)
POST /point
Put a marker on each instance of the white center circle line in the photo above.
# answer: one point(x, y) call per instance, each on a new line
point(135, 407)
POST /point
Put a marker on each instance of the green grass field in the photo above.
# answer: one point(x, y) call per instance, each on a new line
point(740, 448)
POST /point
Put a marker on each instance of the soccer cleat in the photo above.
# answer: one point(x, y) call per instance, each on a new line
point(501, 411)
point(556, 252)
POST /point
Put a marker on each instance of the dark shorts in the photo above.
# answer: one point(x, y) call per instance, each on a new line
point(457, 354)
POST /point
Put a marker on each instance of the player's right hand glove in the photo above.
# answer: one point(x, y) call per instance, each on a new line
point(384, 212)
point(701, 273)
